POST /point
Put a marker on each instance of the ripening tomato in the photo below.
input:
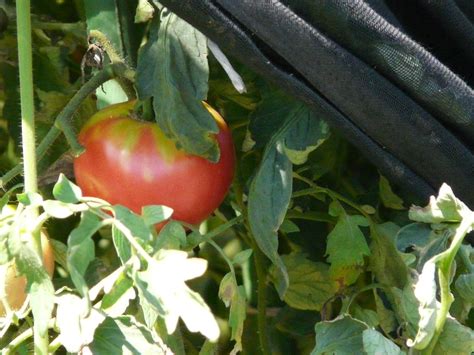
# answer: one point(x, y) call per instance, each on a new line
point(133, 163)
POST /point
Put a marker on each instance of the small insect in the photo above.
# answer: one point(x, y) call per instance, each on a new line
point(94, 57)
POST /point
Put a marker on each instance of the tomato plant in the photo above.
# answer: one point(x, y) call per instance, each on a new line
point(133, 163)
point(311, 250)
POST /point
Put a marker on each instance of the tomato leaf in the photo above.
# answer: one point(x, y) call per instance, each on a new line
point(465, 287)
point(443, 208)
point(269, 196)
point(455, 339)
point(173, 69)
point(172, 236)
point(115, 335)
point(310, 285)
point(81, 249)
point(177, 300)
point(234, 296)
point(242, 256)
point(122, 245)
point(156, 214)
point(375, 343)
point(133, 222)
point(388, 197)
point(305, 135)
point(117, 296)
point(385, 261)
point(65, 191)
point(76, 325)
point(339, 336)
point(346, 247)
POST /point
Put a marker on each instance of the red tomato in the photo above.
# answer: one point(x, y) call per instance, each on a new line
point(133, 163)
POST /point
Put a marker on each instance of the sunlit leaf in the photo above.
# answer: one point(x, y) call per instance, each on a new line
point(65, 191)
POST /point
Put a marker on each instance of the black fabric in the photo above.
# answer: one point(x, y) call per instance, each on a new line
point(404, 109)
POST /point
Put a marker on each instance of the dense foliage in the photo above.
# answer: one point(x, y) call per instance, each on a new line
point(312, 250)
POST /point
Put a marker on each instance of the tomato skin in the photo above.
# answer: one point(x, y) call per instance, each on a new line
point(132, 163)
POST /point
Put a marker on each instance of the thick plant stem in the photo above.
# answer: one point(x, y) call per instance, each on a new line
point(25, 62)
point(259, 259)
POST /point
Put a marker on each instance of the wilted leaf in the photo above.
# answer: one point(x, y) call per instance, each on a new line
point(269, 196)
point(444, 208)
point(375, 344)
point(310, 285)
point(340, 336)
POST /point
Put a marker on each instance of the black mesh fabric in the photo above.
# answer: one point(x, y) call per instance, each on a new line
point(404, 109)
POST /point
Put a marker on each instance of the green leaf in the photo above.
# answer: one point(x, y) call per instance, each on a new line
point(172, 268)
point(365, 315)
point(122, 245)
point(172, 236)
point(173, 69)
point(346, 247)
point(306, 134)
point(425, 292)
point(65, 191)
point(30, 199)
point(387, 319)
point(465, 287)
point(385, 261)
point(310, 284)
point(288, 226)
point(117, 297)
point(406, 306)
point(61, 210)
point(81, 250)
point(413, 234)
point(444, 208)
point(124, 335)
point(375, 344)
point(234, 296)
point(133, 222)
point(242, 256)
point(388, 197)
point(342, 336)
point(272, 115)
point(76, 324)
point(296, 322)
point(269, 197)
point(39, 285)
point(155, 214)
point(455, 339)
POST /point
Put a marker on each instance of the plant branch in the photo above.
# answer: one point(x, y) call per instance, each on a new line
point(445, 263)
point(62, 122)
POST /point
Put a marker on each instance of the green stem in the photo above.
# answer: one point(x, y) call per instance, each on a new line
point(62, 121)
point(25, 63)
point(445, 263)
point(259, 259)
